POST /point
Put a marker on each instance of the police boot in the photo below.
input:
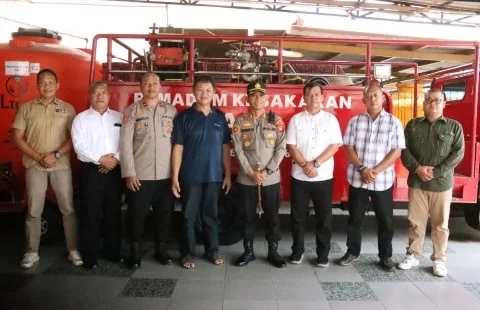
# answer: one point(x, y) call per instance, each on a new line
point(247, 256)
point(161, 254)
point(273, 257)
point(134, 261)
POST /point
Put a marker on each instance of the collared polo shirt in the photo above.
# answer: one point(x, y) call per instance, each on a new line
point(202, 138)
point(373, 140)
point(46, 129)
point(312, 134)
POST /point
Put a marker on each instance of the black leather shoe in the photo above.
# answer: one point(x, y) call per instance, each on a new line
point(387, 264)
point(90, 266)
point(273, 257)
point(245, 258)
point(163, 257)
point(134, 261)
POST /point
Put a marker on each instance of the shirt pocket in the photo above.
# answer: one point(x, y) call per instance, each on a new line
point(445, 143)
point(60, 121)
point(142, 129)
point(167, 128)
point(248, 140)
point(269, 135)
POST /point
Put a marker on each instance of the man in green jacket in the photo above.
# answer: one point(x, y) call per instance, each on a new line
point(434, 147)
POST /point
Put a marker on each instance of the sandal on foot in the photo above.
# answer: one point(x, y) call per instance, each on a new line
point(188, 262)
point(215, 259)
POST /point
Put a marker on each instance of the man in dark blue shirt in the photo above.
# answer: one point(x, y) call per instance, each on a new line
point(200, 146)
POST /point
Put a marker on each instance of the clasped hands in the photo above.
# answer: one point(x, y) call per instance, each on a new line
point(258, 176)
point(425, 173)
point(368, 175)
point(47, 160)
point(107, 162)
point(309, 169)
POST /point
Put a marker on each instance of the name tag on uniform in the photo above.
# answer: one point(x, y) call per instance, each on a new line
point(61, 110)
point(117, 125)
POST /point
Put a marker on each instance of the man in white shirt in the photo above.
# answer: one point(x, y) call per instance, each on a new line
point(96, 136)
point(313, 137)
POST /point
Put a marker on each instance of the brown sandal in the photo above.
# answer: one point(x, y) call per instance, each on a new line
point(188, 262)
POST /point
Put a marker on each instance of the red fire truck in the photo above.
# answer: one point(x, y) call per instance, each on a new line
point(285, 62)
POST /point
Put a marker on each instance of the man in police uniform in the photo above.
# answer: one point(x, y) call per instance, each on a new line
point(41, 131)
point(145, 147)
point(259, 141)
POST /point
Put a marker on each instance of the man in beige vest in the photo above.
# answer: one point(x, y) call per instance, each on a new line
point(41, 130)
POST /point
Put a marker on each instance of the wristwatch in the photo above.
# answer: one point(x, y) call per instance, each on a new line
point(316, 164)
point(361, 168)
point(57, 154)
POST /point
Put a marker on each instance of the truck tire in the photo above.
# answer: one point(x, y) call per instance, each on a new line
point(51, 223)
point(471, 213)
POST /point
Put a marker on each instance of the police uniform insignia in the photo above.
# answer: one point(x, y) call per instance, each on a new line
point(272, 141)
point(270, 135)
point(139, 126)
point(236, 128)
point(250, 116)
point(139, 112)
point(247, 124)
point(247, 143)
point(258, 86)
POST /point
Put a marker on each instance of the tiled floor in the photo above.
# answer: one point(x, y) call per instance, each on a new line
point(55, 284)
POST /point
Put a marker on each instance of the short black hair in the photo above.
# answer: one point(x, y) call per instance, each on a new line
point(203, 79)
point(311, 84)
point(45, 71)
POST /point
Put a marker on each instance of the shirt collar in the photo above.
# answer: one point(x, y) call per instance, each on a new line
point(55, 101)
point(442, 118)
point(305, 112)
point(212, 110)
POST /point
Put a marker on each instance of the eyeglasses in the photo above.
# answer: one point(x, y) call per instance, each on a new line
point(433, 101)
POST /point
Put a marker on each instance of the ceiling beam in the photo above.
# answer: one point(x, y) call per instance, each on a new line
point(382, 52)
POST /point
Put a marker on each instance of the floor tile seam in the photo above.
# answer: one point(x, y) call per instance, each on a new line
point(426, 296)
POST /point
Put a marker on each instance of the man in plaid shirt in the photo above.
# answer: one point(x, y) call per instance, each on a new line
point(373, 141)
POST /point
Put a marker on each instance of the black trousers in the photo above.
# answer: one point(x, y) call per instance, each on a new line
point(158, 195)
point(200, 202)
point(270, 196)
point(382, 202)
point(321, 194)
point(100, 212)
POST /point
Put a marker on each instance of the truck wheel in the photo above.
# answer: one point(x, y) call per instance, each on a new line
point(471, 213)
point(51, 223)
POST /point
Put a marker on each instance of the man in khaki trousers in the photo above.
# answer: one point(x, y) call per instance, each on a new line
point(434, 147)
point(41, 130)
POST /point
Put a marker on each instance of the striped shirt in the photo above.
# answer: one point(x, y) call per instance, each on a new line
point(372, 141)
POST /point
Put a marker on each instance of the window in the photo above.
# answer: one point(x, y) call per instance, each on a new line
point(455, 91)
